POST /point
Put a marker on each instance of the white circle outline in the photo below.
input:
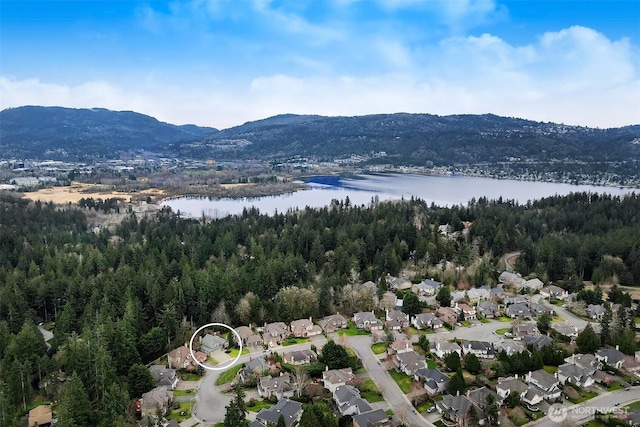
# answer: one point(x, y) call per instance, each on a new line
point(211, 368)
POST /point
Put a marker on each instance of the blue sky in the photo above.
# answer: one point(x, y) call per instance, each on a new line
point(224, 62)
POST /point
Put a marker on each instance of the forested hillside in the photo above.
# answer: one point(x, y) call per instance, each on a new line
point(122, 297)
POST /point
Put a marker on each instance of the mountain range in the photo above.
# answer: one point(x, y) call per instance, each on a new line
point(403, 139)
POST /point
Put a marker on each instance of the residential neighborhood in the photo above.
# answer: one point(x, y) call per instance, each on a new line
point(414, 353)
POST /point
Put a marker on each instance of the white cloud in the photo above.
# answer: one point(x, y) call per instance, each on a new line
point(574, 76)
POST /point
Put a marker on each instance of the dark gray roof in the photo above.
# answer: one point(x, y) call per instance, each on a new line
point(610, 355)
point(432, 377)
point(288, 408)
point(371, 418)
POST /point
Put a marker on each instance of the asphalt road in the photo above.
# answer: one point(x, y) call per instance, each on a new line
point(211, 401)
point(612, 402)
point(397, 400)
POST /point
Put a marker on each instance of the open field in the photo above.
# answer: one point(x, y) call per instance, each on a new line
point(77, 191)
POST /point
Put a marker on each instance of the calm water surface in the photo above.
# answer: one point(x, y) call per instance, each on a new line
point(441, 190)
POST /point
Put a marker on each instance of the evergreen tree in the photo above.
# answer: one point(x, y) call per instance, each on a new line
point(281, 422)
point(444, 296)
point(411, 304)
point(588, 341)
point(471, 363)
point(74, 408)
point(628, 343)
point(423, 342)
point(139, 379)
point(605, 325)
point(335, 356)
point(457, 383)
point(544, 322)
point(491, 410)
point(452, 360)
point(236, 411)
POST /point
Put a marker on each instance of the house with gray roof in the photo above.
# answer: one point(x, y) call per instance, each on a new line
point(426, 321)
point(546, 382)
point(511, 279)
point(522, 329)
point(571, 373)
point(441, 348)
point(509, 385)
point(397, 316)
point(256, 366)
point(477, 294)
point(398, 283)
point(427, 287)
point(611, 356)
point(456, 409)
point(211, 343)
point(510, 347)
point(367, 320)
point(565, 329)
point(517, 299)
point(482, 349)
point(279, 386)
point(479, 396)
point(596, 311)
point(553, 291)
point(538, 310)
point(435, 381)
point(537, 341)
point(349, 402)
point(159, 398)
point(334, 378)
point(409, 362)
point(488, 309)
point(377, 418)
point(290, 410)
point(533, 284)
point(333, 323)
point(586, 361)
point(163, 376)
point(520, 310)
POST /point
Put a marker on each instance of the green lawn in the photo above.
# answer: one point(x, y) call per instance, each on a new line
point(352, 330)
point(370, 392)
point(213, 360)
point(190, 377)
point(502, 331)
point(389, 412)
point(404, 381)
point(176, 414)
point(228, 375)
point(585, 395)
point(233, 352)
point(431, 364)
point(439, 423)
point(466, 323)
point(259, 404)
point(615, 386)
point(183, 393)
point(424, 406)
point(504, 319)
point(550, 369)
point(293, 341)
point(379, 347)
point(633, 405)
point(485, 320)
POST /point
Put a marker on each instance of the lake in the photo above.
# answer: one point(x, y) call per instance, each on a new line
point(442, 190)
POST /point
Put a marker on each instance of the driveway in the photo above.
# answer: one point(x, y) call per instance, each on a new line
point(402, 408)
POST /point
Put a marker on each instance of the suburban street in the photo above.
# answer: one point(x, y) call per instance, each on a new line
point(210, 401)
point(392, 394)
point(607, 402)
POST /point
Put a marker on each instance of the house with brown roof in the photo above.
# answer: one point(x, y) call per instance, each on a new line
point(275, 333)
point(249, 338)
point(157, 399)
point(304, 328)
point(332, 323)
point(400, 346)
point(300, 357)
point(334, 378)
point(40, 416)
point(398, 317)
point(426, 321)
point(181, 358)
point(468, 312)
point(447, 315)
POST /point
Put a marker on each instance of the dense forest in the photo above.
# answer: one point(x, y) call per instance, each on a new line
point(125, 296)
